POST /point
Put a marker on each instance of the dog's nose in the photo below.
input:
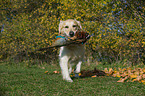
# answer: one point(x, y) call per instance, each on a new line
point(71, 33)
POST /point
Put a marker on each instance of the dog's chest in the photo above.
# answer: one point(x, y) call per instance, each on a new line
point(76, 50)
point(72, 51)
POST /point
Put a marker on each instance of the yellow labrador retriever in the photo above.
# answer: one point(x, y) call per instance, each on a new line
point(71, 55)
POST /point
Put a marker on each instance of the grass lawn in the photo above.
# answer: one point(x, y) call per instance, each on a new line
point(20, 80)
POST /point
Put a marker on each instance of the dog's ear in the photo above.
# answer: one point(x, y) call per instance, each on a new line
point(79, 23)
point(60, 26)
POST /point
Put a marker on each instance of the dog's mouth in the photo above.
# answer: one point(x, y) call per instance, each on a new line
point(79, 34)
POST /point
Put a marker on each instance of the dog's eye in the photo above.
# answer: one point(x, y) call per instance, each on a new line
point(66, 26)
point(74, 25)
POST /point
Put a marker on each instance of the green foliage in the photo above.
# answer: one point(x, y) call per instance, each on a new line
point(118, 28)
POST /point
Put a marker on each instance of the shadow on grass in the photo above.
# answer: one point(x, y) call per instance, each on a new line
point(89, 73)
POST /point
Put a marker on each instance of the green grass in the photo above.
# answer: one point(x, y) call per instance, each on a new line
point(20, 80)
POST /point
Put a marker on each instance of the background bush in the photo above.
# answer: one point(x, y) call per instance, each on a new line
point(117, 25)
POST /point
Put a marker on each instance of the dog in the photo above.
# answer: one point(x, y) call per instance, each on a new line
point(71, 55)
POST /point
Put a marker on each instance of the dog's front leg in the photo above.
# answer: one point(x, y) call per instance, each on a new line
point(64, 68)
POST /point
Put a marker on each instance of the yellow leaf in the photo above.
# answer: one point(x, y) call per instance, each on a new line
point(136, 73)
point(123, 69)
point(134, 80)
point(118, 76)
point(119, 69)
point(46, 72)
point(143, 70)
point(107, 74)
point(129, 68)
point(143, 81)
point(110, 71)
point(79, 74)
point(115, 71)
point(133, 76)
point(94, 76)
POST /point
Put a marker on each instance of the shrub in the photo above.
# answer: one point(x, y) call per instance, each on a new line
point(32, 25)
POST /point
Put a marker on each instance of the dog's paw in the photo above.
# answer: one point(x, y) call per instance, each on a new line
point(68, 79)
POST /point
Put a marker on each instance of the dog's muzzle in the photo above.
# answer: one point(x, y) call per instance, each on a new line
point(71, 33)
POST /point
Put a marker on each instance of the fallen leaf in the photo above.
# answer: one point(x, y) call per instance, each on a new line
point(129, 72)
point(141, 73)
point(119, 69)
point(111, 71)
point(136, 72)
point(134, 80)
point(139, 69)
point(55, 72)
point(79, 74)
point(123, 69)
point(107, 74)
point(123, 74)
point(129, 68)
point(139, 77)
point(133, 76)
point(106, 70)
point(46, 72)
point(143, 81)
point(122, 79)
point(143, 70)
point(117, 74)
point(143, 76)
point(94, 76)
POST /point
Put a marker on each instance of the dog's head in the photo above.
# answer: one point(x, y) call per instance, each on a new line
point(69, 27)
